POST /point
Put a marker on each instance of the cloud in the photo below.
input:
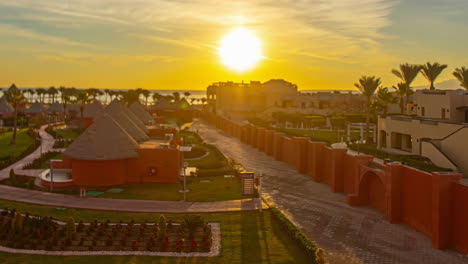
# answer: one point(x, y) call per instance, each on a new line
point(112, 60)
point(16, 31)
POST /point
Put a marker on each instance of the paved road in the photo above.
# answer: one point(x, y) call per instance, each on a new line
point(348, 234)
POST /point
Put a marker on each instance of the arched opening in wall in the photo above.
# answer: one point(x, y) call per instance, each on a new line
point(372, 191)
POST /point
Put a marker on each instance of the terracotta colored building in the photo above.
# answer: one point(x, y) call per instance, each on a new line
point(115, 149)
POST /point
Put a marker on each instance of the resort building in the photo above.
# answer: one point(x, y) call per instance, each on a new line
point(116, 149)
point(240, 101)
point(6, 110)
point(438, 129)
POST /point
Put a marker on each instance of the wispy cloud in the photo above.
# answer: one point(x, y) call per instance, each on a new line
point(111, 60)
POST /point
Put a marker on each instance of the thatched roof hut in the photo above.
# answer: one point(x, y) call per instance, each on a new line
point(36, 108)
point(162, 104)
point(141, 112)
point(119, 112)
point(5, 107)
point(92, 110)
point(105, 139)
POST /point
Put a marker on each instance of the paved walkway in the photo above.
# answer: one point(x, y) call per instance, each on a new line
point(73, 201)
point(348, 234)
point(47, 144)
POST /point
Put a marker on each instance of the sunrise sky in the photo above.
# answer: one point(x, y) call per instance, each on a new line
point(157, 44)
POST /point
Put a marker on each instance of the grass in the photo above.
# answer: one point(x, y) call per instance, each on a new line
point(217, 189)
point(325, 136)
point(246, 237)
point(415, 161)
point(67, 133)
point(23, 141)
point(214, 160)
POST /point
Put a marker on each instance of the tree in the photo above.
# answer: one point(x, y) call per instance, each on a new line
point(82, 98)
point(462, 75)
point(432, 71)
point(187, 95)
point(66, 97)
point(146, 94)
point(386, 98)
point(41, 93)
point(203, 100)
point(192, 100)
point(15, 97)
point(52, 91)
point(401, 90)
point(407, 73)
point(176, 96)
point(31, 93)
point(107, 92)
point(156, 96)
point(130, 96)
point(93, 93)
point(368, 85)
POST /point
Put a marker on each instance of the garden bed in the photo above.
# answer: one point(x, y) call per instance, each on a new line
point(191, 236)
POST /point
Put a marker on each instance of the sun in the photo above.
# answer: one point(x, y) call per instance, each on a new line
point(240, 50)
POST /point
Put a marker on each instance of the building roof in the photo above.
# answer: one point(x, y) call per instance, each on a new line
point(35, 108)
point(105, 139)
point(141, 112)
point(55, 107)
point(182, 104)
point(5, 107)
point(162, 104)
point(92, 110)
point(116, 110)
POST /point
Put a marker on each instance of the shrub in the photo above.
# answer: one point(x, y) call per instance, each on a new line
point(71, 227)
point(162, 227)
point(320, 257)
point(309, 246)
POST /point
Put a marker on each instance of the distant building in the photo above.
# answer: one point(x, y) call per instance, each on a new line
point(437, 129)
point(256, 99)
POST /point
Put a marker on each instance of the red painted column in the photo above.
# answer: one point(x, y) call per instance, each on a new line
point(301, 146)
point(442, 184)
point(261, 139)
point(337, 184)
point(269, 145)
point(314, 157)
point(393, 196)
point(278, 145)
point(253, 136)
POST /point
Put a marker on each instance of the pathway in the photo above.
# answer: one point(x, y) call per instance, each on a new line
point(47, 143)
point(73, 201)
point(348, 234)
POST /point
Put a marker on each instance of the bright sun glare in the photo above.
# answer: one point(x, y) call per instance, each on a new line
point(240, 49)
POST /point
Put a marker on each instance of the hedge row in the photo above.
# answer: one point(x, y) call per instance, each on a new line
point(37, 163)
point(36, 143)
point(303, 241)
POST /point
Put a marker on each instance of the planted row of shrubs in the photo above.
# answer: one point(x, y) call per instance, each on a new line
point(10, 160)
point(315, 253)
point(37, 163)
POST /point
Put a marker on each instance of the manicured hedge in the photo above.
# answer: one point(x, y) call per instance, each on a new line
point(303, 241)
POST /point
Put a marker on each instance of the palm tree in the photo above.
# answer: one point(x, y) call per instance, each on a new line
point(107, 92)
point(401, 90)
point(432, 71)
point(462, 75)
point(52, 91)
point(130, 96)
point(14, 96)
point(156, 96)
point(386, 98)
point(93, 93)
point(192, 100)
point(203, 100)
point(40, 92)
point(65, 97)
point(187, 95)
point(146, 94)
point(368, 85)
point(176, 96)
point(407, 74)
point(82, 98)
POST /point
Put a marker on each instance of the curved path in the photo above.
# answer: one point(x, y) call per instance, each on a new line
point(348, 234)
point(47, 142)
point(62, 200)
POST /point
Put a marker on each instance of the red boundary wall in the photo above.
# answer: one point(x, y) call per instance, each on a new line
point(432, 203)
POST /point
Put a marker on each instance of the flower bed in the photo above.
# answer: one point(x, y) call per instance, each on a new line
point(31, 233)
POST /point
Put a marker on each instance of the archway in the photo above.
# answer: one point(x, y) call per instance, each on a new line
point(372, 191)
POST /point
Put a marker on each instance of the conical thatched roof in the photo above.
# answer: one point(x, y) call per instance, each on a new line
point(105, 139)
point(134, 118)
point(117, 111)
point(35, 108)
point(141, 112)
point(55, 107)
point(162, 104)
point(92, 110)
point(5, 107)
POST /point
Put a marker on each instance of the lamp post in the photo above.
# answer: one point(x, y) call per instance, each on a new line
point(51, 171)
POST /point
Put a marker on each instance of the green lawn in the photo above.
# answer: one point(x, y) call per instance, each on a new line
point(246, 237)
point(46, 164)
point(214, 160)
point(67, 133)
point(23, 141)
point(217, 189)
point(325, 136)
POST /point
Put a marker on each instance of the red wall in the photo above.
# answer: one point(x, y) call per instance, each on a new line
point(432, 203)
point(166, 162)
point(99, 173)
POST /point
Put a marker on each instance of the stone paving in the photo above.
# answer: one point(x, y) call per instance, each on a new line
point(348, 234)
